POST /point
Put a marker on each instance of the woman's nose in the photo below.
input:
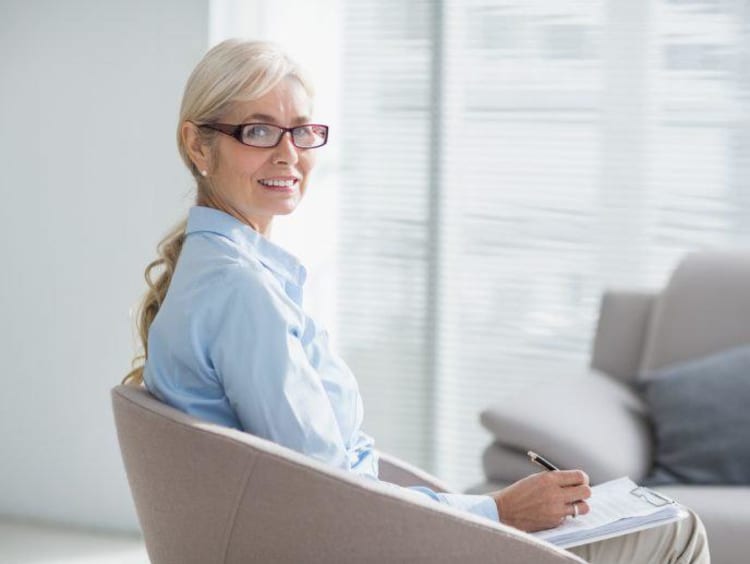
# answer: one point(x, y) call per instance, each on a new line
point(286, 152)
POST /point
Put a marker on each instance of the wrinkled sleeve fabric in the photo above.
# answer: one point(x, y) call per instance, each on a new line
point(480, 505)
point(268, 380)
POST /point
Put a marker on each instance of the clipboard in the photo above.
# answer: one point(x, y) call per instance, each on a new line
point(618, 507)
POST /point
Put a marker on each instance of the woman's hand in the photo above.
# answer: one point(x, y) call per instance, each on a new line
point(543, 500)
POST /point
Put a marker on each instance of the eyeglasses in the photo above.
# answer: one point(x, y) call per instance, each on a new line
point(267, 135)
point(654, 498)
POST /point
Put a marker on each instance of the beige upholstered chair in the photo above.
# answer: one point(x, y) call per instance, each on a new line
point(207, 494)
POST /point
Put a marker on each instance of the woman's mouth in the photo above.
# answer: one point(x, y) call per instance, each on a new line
point(279, 184)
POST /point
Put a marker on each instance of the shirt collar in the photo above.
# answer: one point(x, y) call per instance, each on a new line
point(281, 262)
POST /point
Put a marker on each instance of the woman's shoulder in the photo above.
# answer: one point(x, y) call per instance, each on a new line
point(218, 266)
point(218, 256)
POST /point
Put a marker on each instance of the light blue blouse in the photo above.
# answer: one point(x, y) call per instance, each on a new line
point(232, 345)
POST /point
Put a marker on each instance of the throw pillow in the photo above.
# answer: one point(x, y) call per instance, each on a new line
point(700, 412)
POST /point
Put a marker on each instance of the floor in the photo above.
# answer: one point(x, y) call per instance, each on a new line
point(32, 543)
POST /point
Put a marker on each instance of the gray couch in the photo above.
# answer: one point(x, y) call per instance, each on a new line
point(598, 422)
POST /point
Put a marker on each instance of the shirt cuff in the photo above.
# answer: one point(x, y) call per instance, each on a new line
point(481, 505)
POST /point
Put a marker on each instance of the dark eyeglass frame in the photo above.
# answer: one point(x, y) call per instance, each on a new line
point(236, 132)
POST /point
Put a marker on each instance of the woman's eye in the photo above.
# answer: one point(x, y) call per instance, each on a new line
point(257, 132)
point(302, 132)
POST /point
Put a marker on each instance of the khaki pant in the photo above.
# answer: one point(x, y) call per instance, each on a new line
point(679, 543)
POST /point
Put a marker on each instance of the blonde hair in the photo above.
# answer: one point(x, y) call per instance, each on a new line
point(232, 71)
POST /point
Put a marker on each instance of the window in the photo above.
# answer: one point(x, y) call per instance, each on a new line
point(504, 163)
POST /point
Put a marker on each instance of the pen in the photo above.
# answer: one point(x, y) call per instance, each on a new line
point(541, 461)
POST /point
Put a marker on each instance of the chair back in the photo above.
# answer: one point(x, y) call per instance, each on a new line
point(185, 477)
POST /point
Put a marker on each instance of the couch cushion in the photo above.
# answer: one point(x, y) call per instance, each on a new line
point(594, 422)
point(704, 309)
point(701, 420)
point(506, 464)
point(486, 487)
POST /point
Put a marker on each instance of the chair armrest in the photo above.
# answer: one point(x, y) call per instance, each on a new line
point(621, 333)
point(291, 512)
point(594, 423)
point(396, 471)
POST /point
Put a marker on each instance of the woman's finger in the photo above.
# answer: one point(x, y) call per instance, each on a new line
point(576, 493)
point(571, 477)
point(578, 508)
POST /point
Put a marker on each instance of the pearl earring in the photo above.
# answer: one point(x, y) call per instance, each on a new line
point(204, 173)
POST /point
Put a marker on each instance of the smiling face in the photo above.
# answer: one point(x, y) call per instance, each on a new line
point(255, 184)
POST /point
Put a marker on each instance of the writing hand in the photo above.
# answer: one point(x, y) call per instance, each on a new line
point(542, 501)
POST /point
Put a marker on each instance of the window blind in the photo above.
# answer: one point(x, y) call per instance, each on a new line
point(385, 255)
point(503, 162)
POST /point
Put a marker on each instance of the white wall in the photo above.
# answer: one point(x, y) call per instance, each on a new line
point(90, 180)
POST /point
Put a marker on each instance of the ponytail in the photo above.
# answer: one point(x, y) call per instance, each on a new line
point(169, 251)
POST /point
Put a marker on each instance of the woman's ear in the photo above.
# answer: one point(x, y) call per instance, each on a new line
point(196, 149)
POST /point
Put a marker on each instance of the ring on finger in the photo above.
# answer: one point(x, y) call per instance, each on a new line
point(575, 510)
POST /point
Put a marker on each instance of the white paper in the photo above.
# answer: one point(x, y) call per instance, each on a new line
point(614, 511)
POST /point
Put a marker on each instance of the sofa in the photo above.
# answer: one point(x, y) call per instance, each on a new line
point(604, 423)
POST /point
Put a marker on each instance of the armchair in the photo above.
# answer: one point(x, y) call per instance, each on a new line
point(600, 423)
point(205, 493)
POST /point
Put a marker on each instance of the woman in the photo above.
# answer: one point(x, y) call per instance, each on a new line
point(224, 332)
